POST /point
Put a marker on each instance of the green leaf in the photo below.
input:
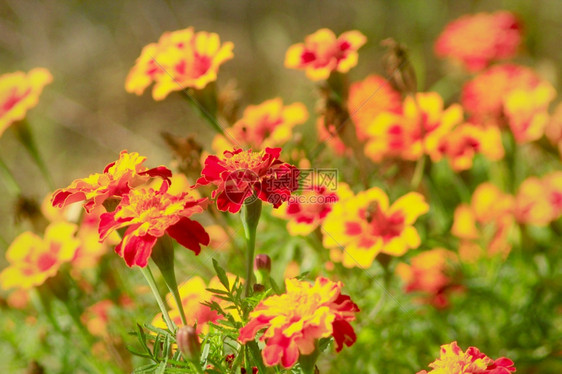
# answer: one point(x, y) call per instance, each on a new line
point(221, 274)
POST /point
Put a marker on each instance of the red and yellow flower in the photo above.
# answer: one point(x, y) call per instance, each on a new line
point(307, 211)
point(484, 223)
point(269, 124)
point(322, 53)
point(240, 174)
point(294, 321)
point(453, 360)
point(32, 259)
point(539, 200)
point(150, 214)
point(430, 274)
point(20, 92)
point(553, 130)
point(181, 59)
point(477, 40)
point(117, 179)
point(369, 98)
point(364, 225)
point(418, 130)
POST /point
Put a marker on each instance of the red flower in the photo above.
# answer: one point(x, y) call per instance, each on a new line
point(117, 179)
point(240, 174)
point(149, 215)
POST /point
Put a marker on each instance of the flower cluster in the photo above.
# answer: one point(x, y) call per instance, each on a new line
point(294, 321)
point(454, 360)
point(181, 59)
point(20, 92)
point(479, 39)
point(364, 225)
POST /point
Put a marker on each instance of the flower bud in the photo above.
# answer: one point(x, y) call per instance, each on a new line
point(188, 343)
point(262, 268)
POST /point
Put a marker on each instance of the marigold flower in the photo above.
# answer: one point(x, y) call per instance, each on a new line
point(150, 214)
point(32, 259)
point(322, 53)
point(527, 111)
point(366, 224)
point(240, 174)
point(20, 92)
point(487, 219)
point(483, 97)
point(429, 273)
point(96, 318)
point(465, 141)
point(539, 200)
point(181, 59)
point(117, 179)
point(328, 133)
point(369, 98)
point(194, 295)
point(418, 130)
point(269, 124)
point(453, 360)
point(553, 130)
point(295, 320)
point(307, 211)
point(476, 40)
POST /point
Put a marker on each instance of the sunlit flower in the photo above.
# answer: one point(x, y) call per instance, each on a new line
point(307, 210)
point(294, 321)
point(194, 295)
point(181, 59)
point(116, 180)
point(322, 53)
point(148, 215)
point(240, 174)
point(418, 130)
point(453, 360)
point(430, 274)
point(484, 96)
point(20, 92)
point(539, 200)
point(365, 225)
point(369, 98)
point(33, 259)
point(465, 141)
point(485, 222)
point(553, 130)
point(476, 40)
point(527, 111)
point(269, 124)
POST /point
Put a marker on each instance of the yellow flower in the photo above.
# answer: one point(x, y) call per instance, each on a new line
point(181, 59)
point(20, 92)
point(366, 224)
point(33, 259)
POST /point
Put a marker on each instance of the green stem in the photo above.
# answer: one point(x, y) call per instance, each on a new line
point(418, 173)
point(9, 179)
point(26, 139)
point(152, 284)
point(250, 218)
point(204, 112)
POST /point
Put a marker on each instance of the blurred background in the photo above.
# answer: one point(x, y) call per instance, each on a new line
point(85, 117)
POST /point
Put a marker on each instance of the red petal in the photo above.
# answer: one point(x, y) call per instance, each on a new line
point(190, 234)
point(137, 249)
point(343, 334)
point(160, 171)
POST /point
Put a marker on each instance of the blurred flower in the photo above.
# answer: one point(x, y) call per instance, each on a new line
point(553, 130)
point(33, 259)
point(366, 225)
point(368, 98)
point(181, 59)
point(539, 200)
point(117, 179)
point(509, 96)
point(194, 295)
point(269, 124)
point(322, 53)
point(476, 40)
point(240, 174)
point(296, 319)
point(485, 222)
point(465, 141)
point(150, 214)
point(430, 274)
point(418, 130)
point(307, 211)
point(96, 318)
point(453, 360)
point(292, 270)
point(527, 111)
point(219, 236)
point(20, 92)
point(328, 134)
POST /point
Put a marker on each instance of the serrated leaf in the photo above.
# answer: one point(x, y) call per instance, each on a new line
point(221, 274)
